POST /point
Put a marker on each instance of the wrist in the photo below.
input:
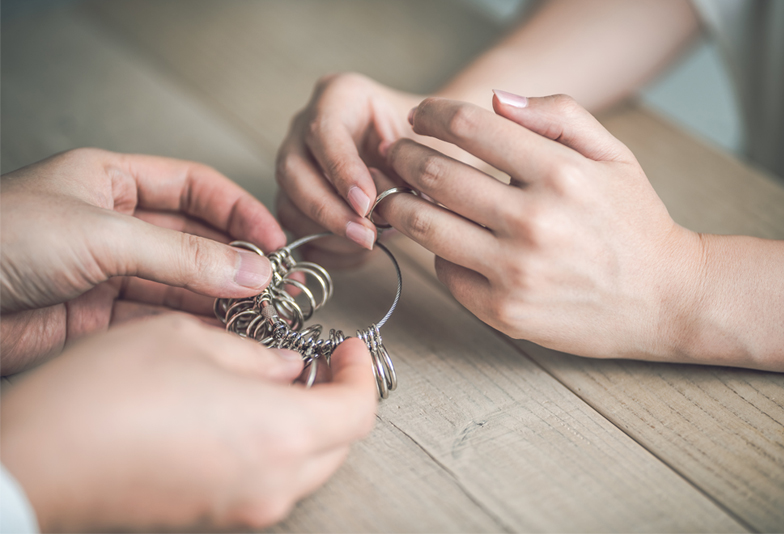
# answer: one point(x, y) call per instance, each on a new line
point(680, 297)
point(731, 310)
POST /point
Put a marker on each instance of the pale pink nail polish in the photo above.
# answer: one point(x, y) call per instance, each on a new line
point(360, 235)
point(411, 116)
point(359, 201)
point(510, 99)
point(254, 270)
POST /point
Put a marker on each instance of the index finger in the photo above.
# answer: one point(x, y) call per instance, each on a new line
point(343, 410)
point(201, 191)
point(507, 146)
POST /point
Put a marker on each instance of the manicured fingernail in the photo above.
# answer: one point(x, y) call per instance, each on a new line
point(360, 235)
point(383, 148)
point(254, 271)
point(359, 200)
point(288, 355)
point(411, 116)
point(510, 99)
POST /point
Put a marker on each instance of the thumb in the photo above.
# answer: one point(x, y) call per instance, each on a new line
point(562, 119)
point(183, 260)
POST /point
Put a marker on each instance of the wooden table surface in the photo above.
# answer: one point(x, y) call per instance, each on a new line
point(484, 433)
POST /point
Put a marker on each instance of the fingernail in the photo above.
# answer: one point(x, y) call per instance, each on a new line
point(288, 355)
point(360, 235)
point(254, 270)
point(411, 116)
point(359, 201)
point(510, 99)
point(383, 148)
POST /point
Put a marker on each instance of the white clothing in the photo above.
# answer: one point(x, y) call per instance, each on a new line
point(16, 513)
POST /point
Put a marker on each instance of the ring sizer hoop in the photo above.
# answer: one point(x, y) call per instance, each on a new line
point(382, 196)
point(276, 320)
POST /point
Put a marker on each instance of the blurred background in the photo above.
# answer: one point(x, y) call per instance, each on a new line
point(219, 81)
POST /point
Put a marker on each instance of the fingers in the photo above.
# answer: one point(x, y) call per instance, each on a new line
point(439, 230)
point(460, 187)
point(294, 220)
point(231, 352)
point(177, 259)
point(561, 119)
point(182, 223)
point(335, 150)
point(334, 251)
point(524, 155)
point(317, 198)
point(201, 192)
point(156, 294)
point(343, 410)
point(469, 288)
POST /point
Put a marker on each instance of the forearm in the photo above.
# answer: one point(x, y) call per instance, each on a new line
point(737, 316)
point(597, 51)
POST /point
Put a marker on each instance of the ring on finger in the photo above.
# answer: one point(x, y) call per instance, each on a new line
point(382, 196)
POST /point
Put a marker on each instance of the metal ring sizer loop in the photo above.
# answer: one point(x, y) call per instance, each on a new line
point(275, 319)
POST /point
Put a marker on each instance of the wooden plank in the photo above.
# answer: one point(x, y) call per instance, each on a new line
point(704, 191)
point(258, 61)
point(60, 69)
point(525, 448)
point(721, 428)
point(480, 426)
point(672, 181)
point(49, 61)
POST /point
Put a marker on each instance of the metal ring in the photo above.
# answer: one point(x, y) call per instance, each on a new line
point(382, 196)
point(275, 319)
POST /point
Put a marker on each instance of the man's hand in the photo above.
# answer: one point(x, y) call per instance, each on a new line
point(168, 424)
point(91, 237)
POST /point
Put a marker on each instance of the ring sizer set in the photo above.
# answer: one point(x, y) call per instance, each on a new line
point(276, 320)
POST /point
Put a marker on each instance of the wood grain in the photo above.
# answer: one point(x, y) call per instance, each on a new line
point(478, 437)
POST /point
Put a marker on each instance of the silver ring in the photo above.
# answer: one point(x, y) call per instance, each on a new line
point(384, 195)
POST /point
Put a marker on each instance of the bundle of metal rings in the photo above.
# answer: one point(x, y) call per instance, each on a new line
point(276, 319)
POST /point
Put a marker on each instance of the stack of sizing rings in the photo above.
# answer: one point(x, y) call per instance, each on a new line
point(276, 320)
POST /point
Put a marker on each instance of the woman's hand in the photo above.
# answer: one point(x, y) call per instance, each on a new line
point(322, 165)
point(168, 424)
point(578, 253)
point(91, 237)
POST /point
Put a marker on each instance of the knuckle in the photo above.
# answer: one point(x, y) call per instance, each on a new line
point(285, 167)
point(505, 312)
point(432, 171)
point(315, 130)
point(566, 105)
point(533, 228)
point(197, 257)
point(566, 178)
point(419, 224)
point(319, 212)
point(464, 121)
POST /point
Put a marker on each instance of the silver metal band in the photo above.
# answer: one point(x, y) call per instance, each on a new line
point(382, 196)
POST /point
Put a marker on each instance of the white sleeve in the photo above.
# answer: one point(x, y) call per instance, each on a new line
point(16, 513)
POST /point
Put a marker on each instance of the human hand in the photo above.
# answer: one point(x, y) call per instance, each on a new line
point(91, 236)
point(168, 424)
point(578, 253)
point(322, 165)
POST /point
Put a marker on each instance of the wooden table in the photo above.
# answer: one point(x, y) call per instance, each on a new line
point(484, 433)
